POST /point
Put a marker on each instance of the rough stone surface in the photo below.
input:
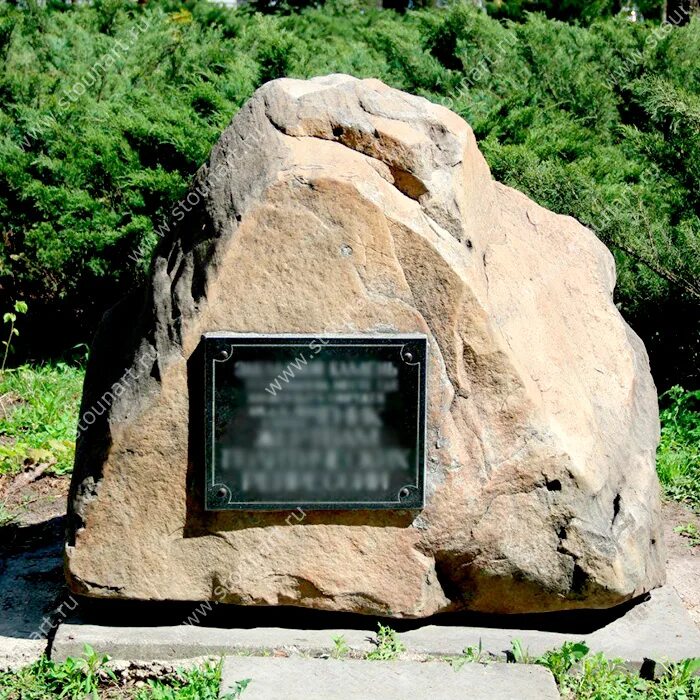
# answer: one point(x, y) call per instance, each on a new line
point(340, 205)
point(318, 679)
point(658, 629)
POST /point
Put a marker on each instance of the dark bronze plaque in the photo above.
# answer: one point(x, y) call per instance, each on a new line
point(314, 422)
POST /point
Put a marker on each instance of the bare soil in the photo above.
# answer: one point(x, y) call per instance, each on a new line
point(683, 559)
point(33, 496)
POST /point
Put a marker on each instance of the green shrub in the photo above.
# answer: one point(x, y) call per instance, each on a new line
point(599, 122)
point(579, 11)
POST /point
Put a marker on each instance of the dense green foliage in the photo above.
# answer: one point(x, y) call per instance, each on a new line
point(38, 415)
point(678, 459)
point(107, 111)
point(577, 11)
point(581, 11)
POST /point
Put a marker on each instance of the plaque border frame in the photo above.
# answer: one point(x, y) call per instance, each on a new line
point(409, 497)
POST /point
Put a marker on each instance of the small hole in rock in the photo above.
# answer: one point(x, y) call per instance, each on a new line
point(338, 131)
point(616, 506)
point(554, 485)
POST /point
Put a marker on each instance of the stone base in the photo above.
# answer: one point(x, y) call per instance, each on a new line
point(658, 629)
point(320, 679)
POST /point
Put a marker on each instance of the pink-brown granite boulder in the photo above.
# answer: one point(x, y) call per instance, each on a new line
point(339, 205)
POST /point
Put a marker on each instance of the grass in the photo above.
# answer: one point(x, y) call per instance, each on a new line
point(192, 684)
point(91, 677)
point(38, 417)
point(582, 676)
point(678, 457)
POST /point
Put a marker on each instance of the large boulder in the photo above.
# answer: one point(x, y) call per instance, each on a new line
point(338, 205)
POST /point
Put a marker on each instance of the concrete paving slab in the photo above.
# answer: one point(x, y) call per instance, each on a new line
point(186, 641)
point(321, 679)
point(658, 629)
point(661, 629)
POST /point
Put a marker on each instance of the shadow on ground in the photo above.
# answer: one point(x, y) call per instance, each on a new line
point(31, 576)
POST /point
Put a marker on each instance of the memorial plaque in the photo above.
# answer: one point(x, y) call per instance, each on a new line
point(314, 422)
